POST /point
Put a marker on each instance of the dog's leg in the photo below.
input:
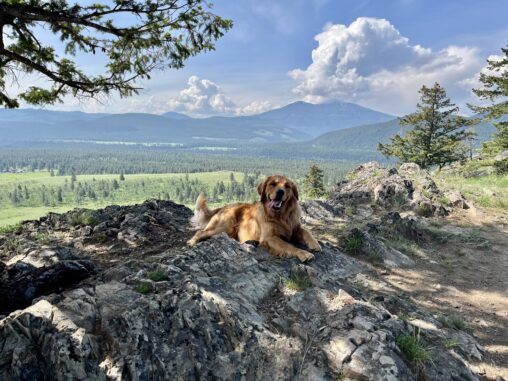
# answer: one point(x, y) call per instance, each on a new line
point(208, 232)
point(303, 235)
point(283, 249)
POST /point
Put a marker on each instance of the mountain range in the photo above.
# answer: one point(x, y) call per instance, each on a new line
point(297, 121)
point(332, 130)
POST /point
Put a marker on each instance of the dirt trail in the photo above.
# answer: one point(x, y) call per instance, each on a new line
point(470, 280)
point(465, 277)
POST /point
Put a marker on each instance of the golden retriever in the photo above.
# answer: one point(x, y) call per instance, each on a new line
point(274, 221)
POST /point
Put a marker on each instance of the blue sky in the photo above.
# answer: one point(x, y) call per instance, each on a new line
point(376, 53)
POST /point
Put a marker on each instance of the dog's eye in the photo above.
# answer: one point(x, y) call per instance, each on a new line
point(272, 184)
point(286, 186)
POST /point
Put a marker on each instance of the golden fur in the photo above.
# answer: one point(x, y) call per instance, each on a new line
point(274, 221)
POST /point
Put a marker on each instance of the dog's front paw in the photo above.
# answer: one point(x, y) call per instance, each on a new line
point(305, 256)
point(192, 242)
point(314, 246)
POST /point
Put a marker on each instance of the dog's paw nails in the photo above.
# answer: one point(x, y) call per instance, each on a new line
point(191, 242)
point(307, 257)
point(315, 247)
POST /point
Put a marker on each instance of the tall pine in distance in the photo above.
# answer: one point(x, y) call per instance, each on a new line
point(313, 182)
point(438, 133)
point(495, 88)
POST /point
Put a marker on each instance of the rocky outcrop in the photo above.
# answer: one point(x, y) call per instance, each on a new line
point(408, 187)
point(40, 271)
point(149, 308)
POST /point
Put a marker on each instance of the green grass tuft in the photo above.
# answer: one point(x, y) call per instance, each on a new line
point(10, 228)
point(84, 218)
point(414, 348)
point(297, 282)
point(424, 210)
point(42, 238)
point(350, 210)
point(353, 243)
point(144, 287)
point(475, 239)
point(450, 343)
point(157, 275)
point(11, 244)
point(453, 321)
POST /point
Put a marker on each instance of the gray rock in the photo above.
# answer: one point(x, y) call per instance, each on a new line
point(318, 210)
point(25, 277)
point(456, 199)
point(390, 256)
point(221, 311)
point(408, 188)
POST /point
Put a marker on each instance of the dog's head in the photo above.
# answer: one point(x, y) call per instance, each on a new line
point(276, 192)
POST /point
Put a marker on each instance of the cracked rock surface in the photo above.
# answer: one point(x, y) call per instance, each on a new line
point(124, 299)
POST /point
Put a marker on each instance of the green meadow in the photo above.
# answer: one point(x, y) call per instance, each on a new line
point(30, 195)
point(486, 191)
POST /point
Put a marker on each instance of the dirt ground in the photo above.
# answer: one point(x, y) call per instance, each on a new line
point(467, 279)
point(470, 280)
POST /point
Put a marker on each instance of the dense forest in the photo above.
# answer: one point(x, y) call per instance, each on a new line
point(100, 161)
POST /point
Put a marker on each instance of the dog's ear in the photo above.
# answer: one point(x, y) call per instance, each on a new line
point(262, 189)
point(294, 189)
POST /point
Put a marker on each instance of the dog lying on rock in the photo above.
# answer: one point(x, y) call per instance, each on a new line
point(274, 221)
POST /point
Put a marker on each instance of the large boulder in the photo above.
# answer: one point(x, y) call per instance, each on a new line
point(408, 188)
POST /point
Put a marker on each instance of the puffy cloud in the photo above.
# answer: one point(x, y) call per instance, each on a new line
point(371, 63)
point(203, 97)
point(255, 107)
point(474, 81)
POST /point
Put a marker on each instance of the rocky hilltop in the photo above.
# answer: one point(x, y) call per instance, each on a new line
point(116, 294)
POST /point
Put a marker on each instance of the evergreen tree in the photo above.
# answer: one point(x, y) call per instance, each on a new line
point(134, 37)
point(495, 89)
point(438, 133)
point(59, 196)
point(115, 184)
point(122, 177)
point(313, 182)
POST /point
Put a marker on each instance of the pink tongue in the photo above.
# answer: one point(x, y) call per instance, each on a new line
point(270, 204)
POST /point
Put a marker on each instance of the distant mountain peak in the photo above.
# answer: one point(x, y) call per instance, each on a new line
point(316, 119)
point(176, 115)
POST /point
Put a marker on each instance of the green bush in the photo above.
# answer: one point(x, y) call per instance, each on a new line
point(501, 167)
point(85, 217)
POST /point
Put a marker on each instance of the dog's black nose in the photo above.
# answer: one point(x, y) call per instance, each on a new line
point(279, 194)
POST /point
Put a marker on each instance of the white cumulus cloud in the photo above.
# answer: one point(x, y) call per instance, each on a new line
point(255, 107)
point(203, 97)
point(372, 63)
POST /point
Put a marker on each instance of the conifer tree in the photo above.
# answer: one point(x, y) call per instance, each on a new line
point(134, 37)
point(495, 91)
point(438, 133)
point(313, 182)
